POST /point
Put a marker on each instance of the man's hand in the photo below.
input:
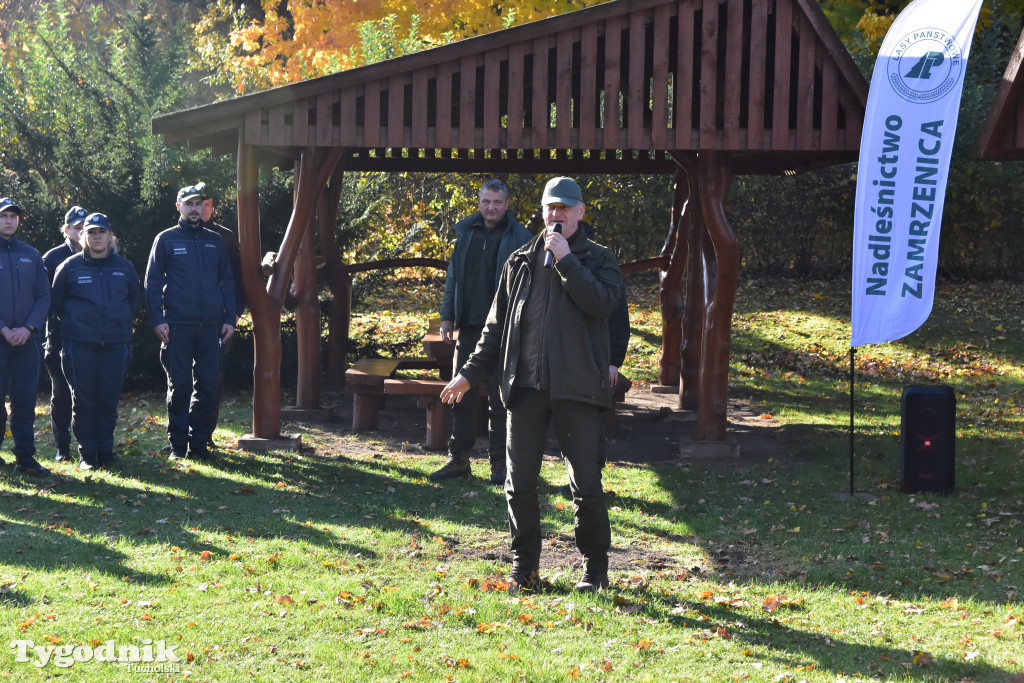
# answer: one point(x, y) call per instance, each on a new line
point(455, 390)
point(163, 331)
point(17, 336)
point(613, 375)
point(226, 331)
point(556, 244)
point(447, 330)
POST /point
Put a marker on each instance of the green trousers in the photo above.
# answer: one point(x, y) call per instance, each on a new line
point(578, 428)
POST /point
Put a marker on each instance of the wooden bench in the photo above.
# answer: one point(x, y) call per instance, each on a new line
point(428, 396)
point(365, 382)
point(443, 352)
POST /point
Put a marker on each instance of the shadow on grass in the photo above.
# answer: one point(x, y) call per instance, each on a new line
point(829, 653)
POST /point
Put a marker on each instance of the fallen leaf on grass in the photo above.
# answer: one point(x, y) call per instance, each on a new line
point(419, 623)
point(774, 602)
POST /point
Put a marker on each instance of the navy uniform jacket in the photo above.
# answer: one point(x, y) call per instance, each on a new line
point(96, 299)
point(24, 288)
point(189, 278)
point(52, 260)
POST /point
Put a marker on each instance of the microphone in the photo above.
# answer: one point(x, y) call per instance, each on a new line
point(549, 258)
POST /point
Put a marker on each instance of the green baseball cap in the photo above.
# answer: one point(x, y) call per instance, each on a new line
point(562, 191)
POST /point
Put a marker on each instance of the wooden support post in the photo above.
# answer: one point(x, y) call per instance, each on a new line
point(700, 259)
point(266, 402)
point(338, 279)
point(671, 278)
point(307, 326)
point(714, 179)
point(311, 175)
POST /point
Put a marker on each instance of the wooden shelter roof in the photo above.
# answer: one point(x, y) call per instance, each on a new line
point(1002, 137)
point(609, 89)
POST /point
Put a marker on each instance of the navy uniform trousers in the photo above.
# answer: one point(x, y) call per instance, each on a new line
point(96, 373)
point(19, 379)
point(191, 360)
point(60, 400)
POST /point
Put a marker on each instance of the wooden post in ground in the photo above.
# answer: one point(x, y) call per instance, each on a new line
point(714, 178)
point(670, 286)
point(311, 174)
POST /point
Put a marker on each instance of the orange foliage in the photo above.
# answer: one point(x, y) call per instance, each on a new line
point(312, 38)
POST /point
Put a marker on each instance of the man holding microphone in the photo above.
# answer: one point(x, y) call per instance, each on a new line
point(548, 331)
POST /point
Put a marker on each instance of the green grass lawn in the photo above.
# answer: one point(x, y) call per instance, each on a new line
point(345, 563)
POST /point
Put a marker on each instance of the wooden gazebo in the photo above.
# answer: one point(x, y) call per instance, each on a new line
point(697, 89)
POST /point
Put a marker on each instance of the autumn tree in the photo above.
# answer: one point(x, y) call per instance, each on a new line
point(256, 46)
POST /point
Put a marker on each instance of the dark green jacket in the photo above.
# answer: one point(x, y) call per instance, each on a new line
point(515, 236)
point(588, 290)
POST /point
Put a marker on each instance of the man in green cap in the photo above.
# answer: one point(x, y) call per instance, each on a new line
point(548, 331)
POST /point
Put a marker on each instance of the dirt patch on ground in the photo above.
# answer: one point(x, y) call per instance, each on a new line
point(647, 427)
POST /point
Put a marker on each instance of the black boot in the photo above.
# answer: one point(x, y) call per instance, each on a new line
point(28, 465)
point(498, 471)
point(457, 466)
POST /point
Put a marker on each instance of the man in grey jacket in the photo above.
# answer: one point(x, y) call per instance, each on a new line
point(483, 243)
point(548, 331)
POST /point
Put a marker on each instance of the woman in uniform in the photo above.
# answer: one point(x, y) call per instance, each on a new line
point(95, 295)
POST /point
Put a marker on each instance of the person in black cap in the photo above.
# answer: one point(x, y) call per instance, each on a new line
point(95, 294)
point(60, 392)
point(190, 293)
point(24, 302)
point(548, 331)
point(231, 242)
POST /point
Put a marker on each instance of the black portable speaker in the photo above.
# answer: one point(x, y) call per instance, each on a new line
point(928, 431)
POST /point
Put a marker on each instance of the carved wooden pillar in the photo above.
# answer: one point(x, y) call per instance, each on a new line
point(307, 325)
point(311, 174)
point(266, 323)
point(714, 178)
point(338, 279)
point(697, 267)
point(671, 279)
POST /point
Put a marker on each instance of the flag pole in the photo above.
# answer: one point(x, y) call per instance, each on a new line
point(852, 353)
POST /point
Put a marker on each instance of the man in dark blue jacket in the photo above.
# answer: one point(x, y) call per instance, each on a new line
point(24, 302)
point(95, 294)
point(190, 293)
point(60, 392)
point(483, 243)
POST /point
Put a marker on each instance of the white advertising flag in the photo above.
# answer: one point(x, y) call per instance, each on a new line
point(906, 144)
